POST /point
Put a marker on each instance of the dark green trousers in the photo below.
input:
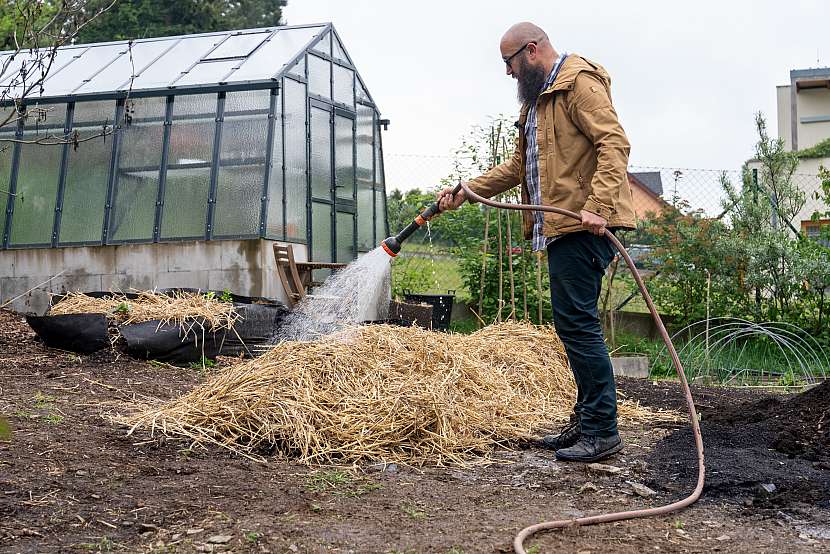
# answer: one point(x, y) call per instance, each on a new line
point(576, 263)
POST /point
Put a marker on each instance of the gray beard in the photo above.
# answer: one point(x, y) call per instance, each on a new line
point(529, 85)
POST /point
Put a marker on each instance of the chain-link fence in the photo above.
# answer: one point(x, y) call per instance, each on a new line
point(432, 262)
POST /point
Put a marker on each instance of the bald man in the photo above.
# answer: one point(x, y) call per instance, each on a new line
point(572, 153)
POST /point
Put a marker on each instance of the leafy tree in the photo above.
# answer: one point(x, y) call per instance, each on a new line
point(752, 263)
point(132, 19)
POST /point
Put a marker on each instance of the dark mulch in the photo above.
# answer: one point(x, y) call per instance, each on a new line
point(766, 450)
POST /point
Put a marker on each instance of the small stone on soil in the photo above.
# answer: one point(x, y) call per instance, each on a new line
point(768, 488)
point(602, 468)
point(220, 539)
point(589, 486)
point(642, 490)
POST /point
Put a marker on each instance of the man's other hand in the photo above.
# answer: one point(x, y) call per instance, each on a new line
point(594, 223)
point(449, 201)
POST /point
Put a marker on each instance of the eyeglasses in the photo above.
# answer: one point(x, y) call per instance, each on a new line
point(516, 53)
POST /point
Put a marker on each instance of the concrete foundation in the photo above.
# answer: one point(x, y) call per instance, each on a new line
point(244, 267)
point(630, 366)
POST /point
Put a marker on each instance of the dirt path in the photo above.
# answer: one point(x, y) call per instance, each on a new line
point(72, 482)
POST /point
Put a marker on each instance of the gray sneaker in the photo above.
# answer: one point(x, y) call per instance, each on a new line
point(568, 436)
point(590, 448)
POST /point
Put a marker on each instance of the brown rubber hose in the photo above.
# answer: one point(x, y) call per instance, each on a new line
point(518, 542)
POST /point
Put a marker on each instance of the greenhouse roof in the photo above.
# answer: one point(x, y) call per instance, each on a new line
point(242, 58)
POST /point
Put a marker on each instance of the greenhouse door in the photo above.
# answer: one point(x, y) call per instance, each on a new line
point(333, 236)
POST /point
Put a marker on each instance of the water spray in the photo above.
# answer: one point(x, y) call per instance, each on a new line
point(392, 246)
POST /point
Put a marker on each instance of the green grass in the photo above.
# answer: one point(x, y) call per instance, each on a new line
point(438, 273)
point(340, 483)
point(5, 430)
point(622, 286)
point(463, 326)
point(203, 364)
point(757, 360)
point(42, 401)
point(414, 511)
point(326, 481)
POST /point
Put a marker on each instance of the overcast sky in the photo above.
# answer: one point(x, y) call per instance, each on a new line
point(687, 77)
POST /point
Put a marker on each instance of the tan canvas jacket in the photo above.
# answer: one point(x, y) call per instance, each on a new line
point(583, 153)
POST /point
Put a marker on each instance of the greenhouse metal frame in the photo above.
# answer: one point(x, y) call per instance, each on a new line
point(220, 131)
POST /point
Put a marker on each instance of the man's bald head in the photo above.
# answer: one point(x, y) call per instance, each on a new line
point(522, 33)
point(529, 57)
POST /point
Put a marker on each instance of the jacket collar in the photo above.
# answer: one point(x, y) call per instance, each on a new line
point(571, 68)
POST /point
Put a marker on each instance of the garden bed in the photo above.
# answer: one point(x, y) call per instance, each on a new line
point(70, 481)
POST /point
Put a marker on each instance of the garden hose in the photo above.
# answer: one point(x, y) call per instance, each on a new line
point(518, 542)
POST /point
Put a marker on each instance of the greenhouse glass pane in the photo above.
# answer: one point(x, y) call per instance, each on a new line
point(258, 100)
point(298, 69)
point(37, 63)
point(167, 68)
point(207, 72)
point(275, 54)
point(319, 76)
point(37, 177)
point(320, 232)
point(132, 215)
point(345, 237)
point(320, 153)
point(362, 95)
point(339, 52)
point(242, 166)
point(380, 214)
point(365, 219)
point(364, 174)
point(344, 157)
point(344, 85)
point(378, 161)
point(324, 45)
point(380, 189)
point(237, 46)
point(296, 164)
point(238, 200)
point(275, 226)
point(81, 70)
point(189, 157)
point(87, 174)
point(6, 152)
point(118, 73)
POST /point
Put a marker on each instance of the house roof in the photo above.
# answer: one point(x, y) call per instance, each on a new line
point(650, 180)
point(252, 56)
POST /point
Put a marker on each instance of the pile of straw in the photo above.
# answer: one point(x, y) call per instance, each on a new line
point(178, 307)
point(383, 393)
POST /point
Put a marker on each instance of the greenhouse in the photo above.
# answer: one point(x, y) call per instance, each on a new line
point(206, 148)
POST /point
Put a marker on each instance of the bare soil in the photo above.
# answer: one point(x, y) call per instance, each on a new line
point(71, 481)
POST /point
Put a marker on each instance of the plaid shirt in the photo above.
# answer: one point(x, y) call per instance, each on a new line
point(539, 241)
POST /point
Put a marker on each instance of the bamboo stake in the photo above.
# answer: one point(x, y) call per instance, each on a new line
point(509, 216)
point(539, 283)
point(609, 316)
point(483, 264)
point(524, 279)
point(501, 269)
